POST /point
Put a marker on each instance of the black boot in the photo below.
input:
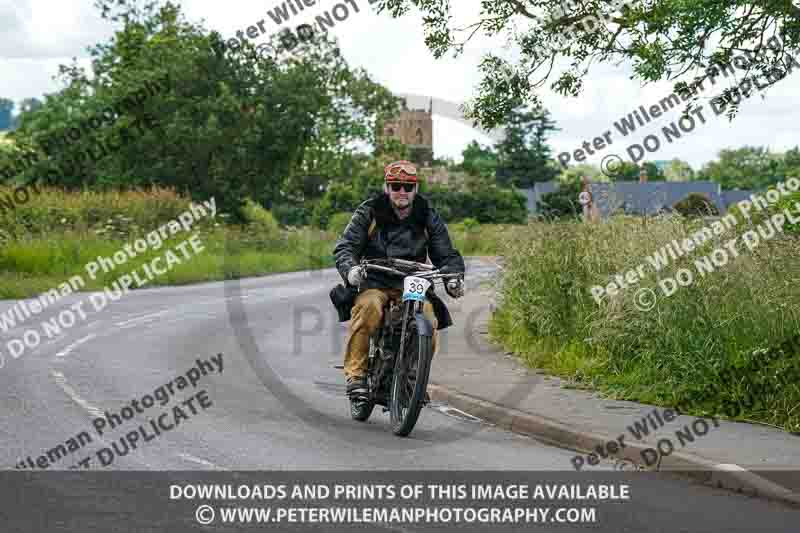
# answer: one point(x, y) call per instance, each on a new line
point(357, 388)
point(360, 404)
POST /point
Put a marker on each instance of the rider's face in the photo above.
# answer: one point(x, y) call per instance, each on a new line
point(400, 199)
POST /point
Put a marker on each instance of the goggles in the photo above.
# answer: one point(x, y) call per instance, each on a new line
point(400, 171)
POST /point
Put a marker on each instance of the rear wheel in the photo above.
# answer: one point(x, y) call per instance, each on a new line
point(410, 382)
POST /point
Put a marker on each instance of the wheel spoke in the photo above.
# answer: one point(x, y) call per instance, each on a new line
point(407, 381)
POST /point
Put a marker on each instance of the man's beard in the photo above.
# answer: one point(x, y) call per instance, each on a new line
point(397, 205)
point(402, 210)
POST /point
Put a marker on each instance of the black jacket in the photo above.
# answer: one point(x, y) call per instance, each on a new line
point(402, 239)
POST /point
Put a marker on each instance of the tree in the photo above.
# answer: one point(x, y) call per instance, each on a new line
point(28, 105)
point(479, 161)
point(364, 179)
point(445, 162)
point(749, 167)
point(229, 122)
point(523, 155)
point(331, 154)
point(420, 155)
point(6, 107)
point(678, 170)
point(791, 163)
point(662, 39)
point(576, 172)
point(627, 171)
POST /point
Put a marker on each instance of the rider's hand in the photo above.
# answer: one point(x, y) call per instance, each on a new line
point(455, 288)
point(356, 276)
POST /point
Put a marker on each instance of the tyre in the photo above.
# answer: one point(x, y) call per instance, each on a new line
point(410, 382)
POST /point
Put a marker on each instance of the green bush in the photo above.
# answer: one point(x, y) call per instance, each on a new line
point(696, 205)
point(789, 202)
point(470, 225)
point(55, 234)
point(121, 213)
point(338, 222)
point(757, 216)
point(260, 220)
point(340, 197)
point(562, 203)
point(720, 345)
point(292, 215)
point(482, 239)
point(488, 204)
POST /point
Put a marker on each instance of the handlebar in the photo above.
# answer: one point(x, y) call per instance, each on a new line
point(423, 270)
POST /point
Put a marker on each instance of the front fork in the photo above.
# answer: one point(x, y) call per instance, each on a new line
point(424, 327)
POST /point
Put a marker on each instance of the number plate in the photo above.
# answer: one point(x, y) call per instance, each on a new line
point(414, 288)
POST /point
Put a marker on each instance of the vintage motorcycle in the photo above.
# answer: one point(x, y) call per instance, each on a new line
point(401, 349)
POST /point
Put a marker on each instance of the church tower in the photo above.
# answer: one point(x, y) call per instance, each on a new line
point(414, 128)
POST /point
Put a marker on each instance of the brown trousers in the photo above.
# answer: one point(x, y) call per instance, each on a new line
point(366, 317)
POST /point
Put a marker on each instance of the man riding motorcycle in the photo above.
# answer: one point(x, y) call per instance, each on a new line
point(397, 224)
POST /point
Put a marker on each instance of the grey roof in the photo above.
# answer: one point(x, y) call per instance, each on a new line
point(535, 194)
point(652, 197)
point(734, 197)
point(638, 198)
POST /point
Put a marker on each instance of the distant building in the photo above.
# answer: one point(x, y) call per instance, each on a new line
point(652, 197)
point(443, 176)
point(414, 128)
point(534, 194)
point(635, 198)
point(439, 176)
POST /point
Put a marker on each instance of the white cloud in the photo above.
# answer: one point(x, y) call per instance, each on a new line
point(37, 35)
point(46, 29)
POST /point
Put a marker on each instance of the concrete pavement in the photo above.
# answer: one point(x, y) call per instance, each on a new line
point(480, 378)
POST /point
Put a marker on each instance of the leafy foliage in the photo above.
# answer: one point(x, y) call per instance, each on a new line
point(753, 217)
point(663, 39)
point(291, 215)
point(696, 205)
point(627, 171)
point(229, 123)
point(259, 219)
point(711, 346)
point(576, 172)
point(486, 203)
point(123, 213)
point(750, 167)
point(338, 222)
point(479, 161)
point(678, 170)
point(563, 203)
point(524, 157)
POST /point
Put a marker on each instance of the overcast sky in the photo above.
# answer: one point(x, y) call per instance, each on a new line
point(37, 35)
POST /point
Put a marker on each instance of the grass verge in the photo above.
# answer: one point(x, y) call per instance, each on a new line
point(726, 345)
point(54, 234)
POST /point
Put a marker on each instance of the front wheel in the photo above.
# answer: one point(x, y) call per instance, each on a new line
point(410, 382)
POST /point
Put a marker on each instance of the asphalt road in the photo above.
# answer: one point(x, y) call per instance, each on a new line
point(278, 403)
